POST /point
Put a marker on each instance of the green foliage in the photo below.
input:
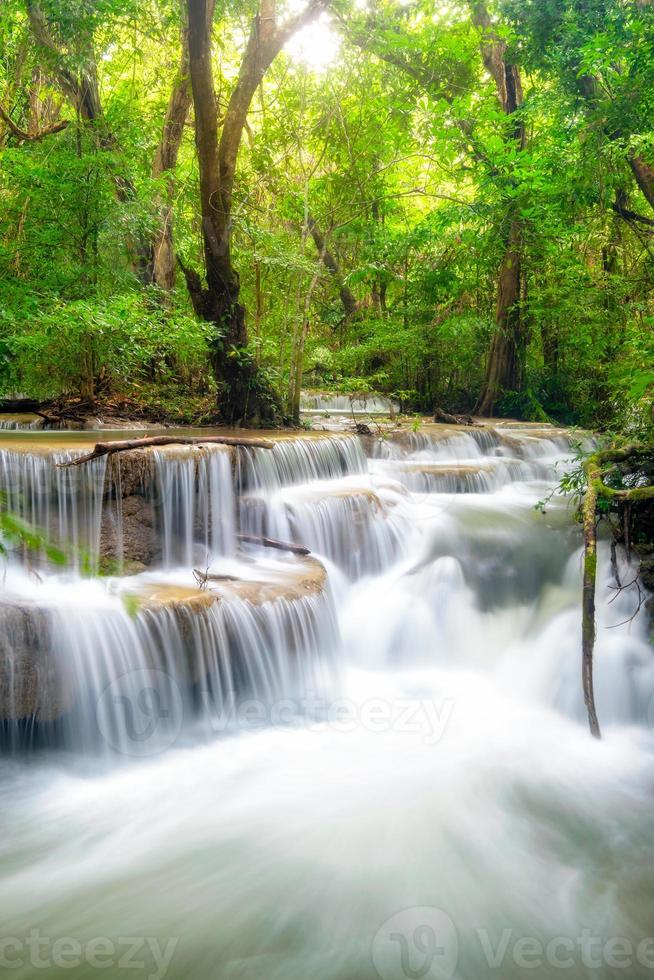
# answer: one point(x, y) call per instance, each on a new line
point(401, 154)
point(15, 532)
point(75, 346)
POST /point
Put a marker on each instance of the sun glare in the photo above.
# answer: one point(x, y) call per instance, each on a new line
point(317, 46)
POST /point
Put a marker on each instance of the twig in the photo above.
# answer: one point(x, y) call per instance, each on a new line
point(203, 577)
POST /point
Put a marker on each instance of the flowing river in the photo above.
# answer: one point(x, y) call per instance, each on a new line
point(373, 761)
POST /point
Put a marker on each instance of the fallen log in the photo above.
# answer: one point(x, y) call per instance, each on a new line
point(441, 416)
point(295, 549)
point(124, 445)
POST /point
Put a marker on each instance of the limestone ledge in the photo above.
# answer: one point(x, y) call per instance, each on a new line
point(36, 685)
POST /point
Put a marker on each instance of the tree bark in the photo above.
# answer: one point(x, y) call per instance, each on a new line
point(246, 396)
point(644, 174)
point(162, 259)
point(162, 270)
point(505, 361)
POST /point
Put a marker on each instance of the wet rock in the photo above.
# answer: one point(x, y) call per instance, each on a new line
point(30, 685)
point(128, 531)
point(647, 571)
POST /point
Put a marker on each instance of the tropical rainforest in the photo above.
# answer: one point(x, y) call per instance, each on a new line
point(206, 206)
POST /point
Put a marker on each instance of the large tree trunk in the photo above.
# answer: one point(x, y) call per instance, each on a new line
point(245, 395)
point(218, 302)
point(162, 258)
point(505, 362)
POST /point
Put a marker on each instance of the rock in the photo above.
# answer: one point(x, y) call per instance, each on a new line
point(138, 542)
point(647, 571)
point(30, 684)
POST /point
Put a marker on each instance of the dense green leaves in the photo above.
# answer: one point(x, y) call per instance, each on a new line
point(402, 156)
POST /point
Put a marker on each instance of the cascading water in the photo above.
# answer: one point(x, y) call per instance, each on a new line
point(13, 422)
point(387, 775)
point(63, 502)
point(196, 508)
point(320, 401)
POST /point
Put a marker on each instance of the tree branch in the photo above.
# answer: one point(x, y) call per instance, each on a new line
point(110, 448)
point(265, 42)
point(632, 215)
point(24, 136)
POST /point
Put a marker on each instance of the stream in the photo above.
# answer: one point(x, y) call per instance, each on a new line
point(370, 762)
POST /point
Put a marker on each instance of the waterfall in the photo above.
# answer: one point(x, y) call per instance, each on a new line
point(299, 461)
point(278, 765)
point(65, 503)
point(359, 526)
point(89, 670)
point(430, 514)
point(195, 498)
point(14, 422)
point(318, 401)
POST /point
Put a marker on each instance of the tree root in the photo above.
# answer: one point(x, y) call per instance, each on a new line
point(124, 445)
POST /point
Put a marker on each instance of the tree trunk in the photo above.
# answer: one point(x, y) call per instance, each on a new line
point(505, 362)
point(505, 365)
point(218, 302)
point(246, 396)
point(644, 174)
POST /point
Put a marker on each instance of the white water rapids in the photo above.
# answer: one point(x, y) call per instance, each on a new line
point(406, 787)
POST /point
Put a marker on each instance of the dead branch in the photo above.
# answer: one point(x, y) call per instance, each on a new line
point(110, 448)
point(295, 549)
point(24, 136)
point(203, 577)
